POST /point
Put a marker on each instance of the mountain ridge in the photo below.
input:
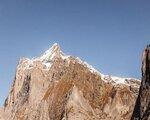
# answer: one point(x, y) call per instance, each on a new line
point(50, 53)
point(56, 86)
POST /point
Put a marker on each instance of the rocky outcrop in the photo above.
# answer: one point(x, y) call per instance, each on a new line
point(142, 106)
point(1, 113)
point(59, 87)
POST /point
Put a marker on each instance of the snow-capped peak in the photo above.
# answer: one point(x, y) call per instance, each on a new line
point(51, 53)
point(46, 58)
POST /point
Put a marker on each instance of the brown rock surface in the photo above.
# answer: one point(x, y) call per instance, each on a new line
point(1, 114)
point(59, 87)
point(142, 106)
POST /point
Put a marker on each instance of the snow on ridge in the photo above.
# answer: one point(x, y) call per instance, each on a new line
point(107, 78)
point(55, 51)
point(64, 56)
point(90, 67)
point(47, 57)
point(119, 80)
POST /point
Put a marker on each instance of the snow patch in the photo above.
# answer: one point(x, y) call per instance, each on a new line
point(118, 80)
point(114, 79)
point(47, 64)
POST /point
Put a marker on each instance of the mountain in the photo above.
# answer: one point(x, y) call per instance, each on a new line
point(56, 86)
point(142, 106)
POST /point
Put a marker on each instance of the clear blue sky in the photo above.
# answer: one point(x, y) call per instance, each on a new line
point(108, 34)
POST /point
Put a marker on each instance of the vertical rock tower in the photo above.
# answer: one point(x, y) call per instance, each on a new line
point(142, 106)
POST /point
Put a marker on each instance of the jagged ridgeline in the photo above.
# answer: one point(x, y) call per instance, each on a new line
point(56, 86)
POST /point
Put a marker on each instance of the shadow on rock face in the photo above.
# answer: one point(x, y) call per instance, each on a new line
point(142, 106)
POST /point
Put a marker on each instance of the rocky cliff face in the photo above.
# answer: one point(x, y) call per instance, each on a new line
point(142, 106)
point(1, 114)
point(59, 87)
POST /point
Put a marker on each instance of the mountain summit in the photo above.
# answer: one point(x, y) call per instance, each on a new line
point(56, 86)
point(54, 51)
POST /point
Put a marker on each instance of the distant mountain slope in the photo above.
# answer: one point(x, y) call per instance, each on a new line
point(59, 87)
